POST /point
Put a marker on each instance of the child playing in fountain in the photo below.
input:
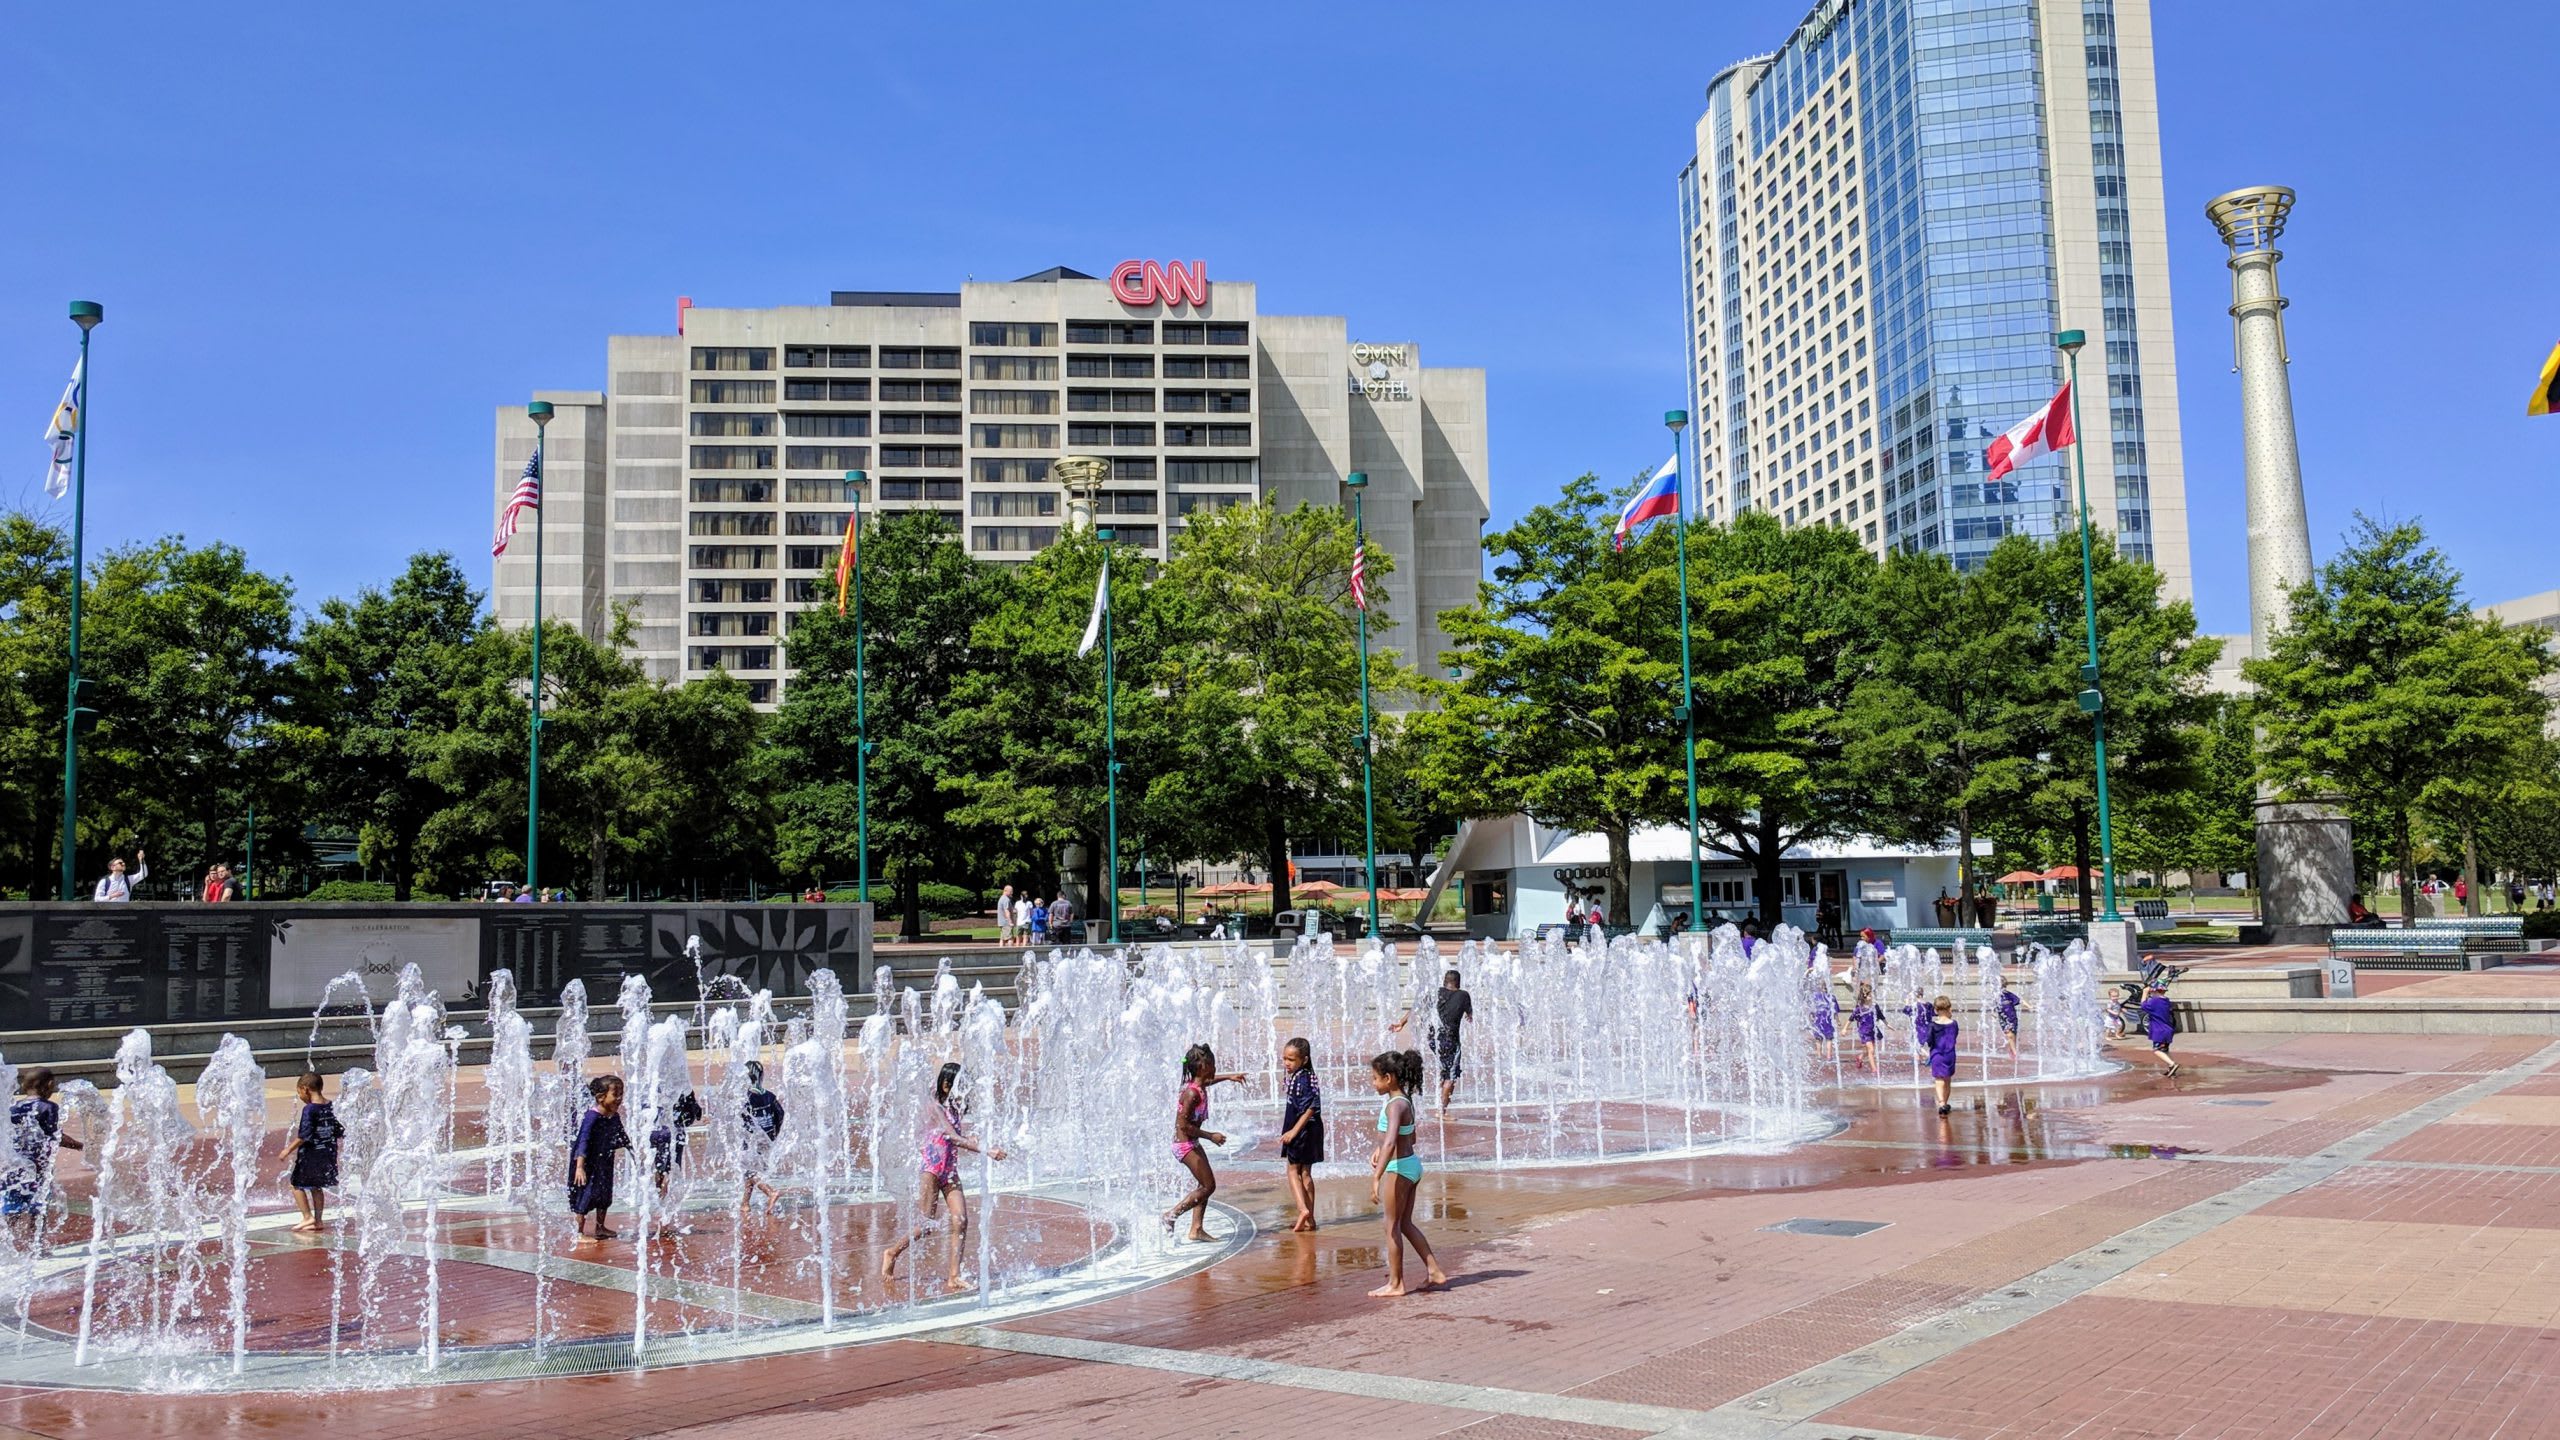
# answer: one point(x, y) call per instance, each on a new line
point(1190, 1141)
point(1451, 1008)
point(666, 1148)
point(591, 1157)
point(1936, 1026)
point(1865, 1016)
point(761, 1115)
point(2163, 1024)
point(944, 1139)
point(2009, 1019)
point(35, 1130)
point(1301, 1129)
point(1825, 1007)
point(1396, 1076)
point(314, 1153)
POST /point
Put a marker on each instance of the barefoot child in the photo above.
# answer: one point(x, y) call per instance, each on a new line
point(666, 1150)
point(1825, 1006)
point(939, 1186)
point(2163, 1024)
point(2009, 1019)
point(761, 1114)
point(1396, 1076)
point(1865, 1015)
point(1301, 1129)
point(35, 1128)
point(314, 1153)
point(591, 1157)
point(1190, 1142)
point(1937, 1031)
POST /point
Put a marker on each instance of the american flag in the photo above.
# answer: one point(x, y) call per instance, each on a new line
point(528, 496)
point(1360, 574)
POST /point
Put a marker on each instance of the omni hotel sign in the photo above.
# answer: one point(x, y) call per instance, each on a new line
point(1373, 370)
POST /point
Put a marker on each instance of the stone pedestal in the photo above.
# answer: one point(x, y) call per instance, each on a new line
point(2118, 943)
point(2306, 872)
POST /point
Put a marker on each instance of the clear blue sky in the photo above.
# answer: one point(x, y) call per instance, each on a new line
point(331, 240)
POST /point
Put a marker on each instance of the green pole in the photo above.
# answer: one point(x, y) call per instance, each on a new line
point(86, 314)
point(1110, 756)
point(2091, 700)
point(1358, 481)
point(861, 719)
point(1677, 420)
point(540, 413)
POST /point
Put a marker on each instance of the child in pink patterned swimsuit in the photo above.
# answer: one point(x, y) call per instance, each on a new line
point(940, 1181)
point(1190, 1113)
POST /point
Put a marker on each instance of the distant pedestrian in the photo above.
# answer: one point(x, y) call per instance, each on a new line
point(217, 886)
point(117, 887)
point(1004, 916)
point(2462, 891)
point(1039, 923)
point(1062, 917)
point(813, 895)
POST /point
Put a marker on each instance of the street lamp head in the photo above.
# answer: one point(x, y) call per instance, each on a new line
point(1357, 479)
point(2070, 340)
point(539, 412)
point(1103, 534)
point(87, 313)
point(1677, 420)
point(853, 482)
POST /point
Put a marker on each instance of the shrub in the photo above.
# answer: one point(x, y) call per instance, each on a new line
point(2542, 925)
point(371, 891)
point(944, 902)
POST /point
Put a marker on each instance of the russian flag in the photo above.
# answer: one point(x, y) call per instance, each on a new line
point(1659, 497)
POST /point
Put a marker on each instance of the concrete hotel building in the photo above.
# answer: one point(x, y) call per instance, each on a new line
point(1882, 226)
point(704, 486)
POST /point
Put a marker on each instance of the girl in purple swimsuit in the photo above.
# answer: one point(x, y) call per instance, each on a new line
point(944, 1139)
point(1190, 1113)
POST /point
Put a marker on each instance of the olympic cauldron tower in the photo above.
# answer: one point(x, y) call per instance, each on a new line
point(2306, 850)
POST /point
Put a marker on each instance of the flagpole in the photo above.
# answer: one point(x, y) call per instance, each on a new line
point(2091, 700)
point(861, 723)
point(1110, 753)
point(1678, 420)
point(86, 314)
point(1358, 483)
point(540, 413)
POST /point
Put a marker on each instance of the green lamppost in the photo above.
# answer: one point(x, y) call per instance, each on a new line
point(861, 719)
point(540, 413)
point(2091, 701)
point(1687, 711)
point(1358, 484)
point(1110, 752)
point(86, 314)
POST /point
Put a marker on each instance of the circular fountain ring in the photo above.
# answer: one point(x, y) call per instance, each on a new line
point(781, 1325)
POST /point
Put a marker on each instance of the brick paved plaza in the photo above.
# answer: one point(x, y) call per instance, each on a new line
point(2302, 1236)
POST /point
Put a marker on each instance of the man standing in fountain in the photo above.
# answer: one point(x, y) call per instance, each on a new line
point(1451, 1008)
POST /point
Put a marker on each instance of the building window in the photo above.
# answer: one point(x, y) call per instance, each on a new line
point(732, 657)
point(1011, 539)
point(723, 422)
point(920, 423)
point(1209, 472)
point(732, 357)
point(1183, 332)
point(1230, 402)
point(1139, 402)
point(732, 392)
point(731, 522)
point(732, 557)
point(1013, 402)
point(1009, 472)
point(900, 357)
point(802, 490)
point(826, 425)
point(920, 489)
point(1013, 367)
point(732, 457)
point(733, 592)
point(810, 557)
point(1013, 504)
point(1014, 437)
point(1131, 467)
point(1184, 502)
point(1125, 502)
point(1186, 367)
point(919, 457)
point(1227, 334)
point(816, 522)
point(1099, 434)
point(733, 492)
point(796, 388)
point(719, 623)
point(826, 357)
point(1088, 367)
point(826, 457)
point(1144, 536)
point(1017, 333)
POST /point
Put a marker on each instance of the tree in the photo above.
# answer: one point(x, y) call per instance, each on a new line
point(35, 581)
point(2518, 830)
point(1259, 684)
point(1569, 669)
point(2209, 824)
point(922, 595)
point(377, 683)
point(2386, 689)
point(1785, 635)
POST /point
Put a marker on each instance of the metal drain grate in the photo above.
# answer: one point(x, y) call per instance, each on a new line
point(2239, 1102)
point(1802, 1226)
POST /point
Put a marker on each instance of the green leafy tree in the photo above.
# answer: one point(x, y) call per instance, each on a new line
point(2518, 831)
point(2386, 689)
point(35, 581)
point(922, 596)
point(1570, 671)
point(2207, 825)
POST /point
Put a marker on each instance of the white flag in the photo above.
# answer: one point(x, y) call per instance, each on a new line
point(1101, 602)
point(61, 433)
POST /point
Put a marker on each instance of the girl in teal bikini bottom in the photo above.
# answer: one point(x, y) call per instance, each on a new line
point(1397, 1076)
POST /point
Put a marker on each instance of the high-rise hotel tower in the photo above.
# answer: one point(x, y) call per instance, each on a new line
point(1882, 227)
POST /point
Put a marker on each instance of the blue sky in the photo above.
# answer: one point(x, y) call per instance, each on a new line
point(330, 241)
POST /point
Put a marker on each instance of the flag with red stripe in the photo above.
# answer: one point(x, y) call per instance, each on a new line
point(844, 566)
point(2033, 438)
point(1360, 574)
point(527, 496)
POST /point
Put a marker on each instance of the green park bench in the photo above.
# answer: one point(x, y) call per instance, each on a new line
point(2409, 950)
point(1941, 940)
point(2480, 935)
point(2052, 934)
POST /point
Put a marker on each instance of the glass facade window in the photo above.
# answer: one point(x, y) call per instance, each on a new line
point(715, 622)
point(920, 457)
point(732, 392)
point(1014, 503)
point(798, 388)
point(725, 422)
point(732, 592)
point(1011, 539)
point(826, 425)
point(1184, 502)
point(826, 457)
point(1013, 367)
point(732, 457)
point(810, 557)
point(826, 357)
point(731, 557)
point(805, 490)
point(1209, 472)
point(1014, 437)
point(732, 657)
point(1145, 537)
point(1020, 334)
point(732, 492)
point(732, 357)
point(1013, 402)
point(731, 522)
point(816, 522)
point(920, 489)
point(919, 423)
point(1133, 467)
point(1125, 502)
point(1010, 472)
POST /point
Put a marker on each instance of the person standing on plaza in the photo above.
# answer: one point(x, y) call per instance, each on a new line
point(217, 885)
point(1395, 1172)
point(1039, 923)
point(1062, 918)
point(117, 887)
point(1004, 916)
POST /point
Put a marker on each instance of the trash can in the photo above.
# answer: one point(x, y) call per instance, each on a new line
point(2044, 902)
point(1096, 931)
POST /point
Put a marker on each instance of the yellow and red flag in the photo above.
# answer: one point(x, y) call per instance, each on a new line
point(844, 565)
point(2546, 395)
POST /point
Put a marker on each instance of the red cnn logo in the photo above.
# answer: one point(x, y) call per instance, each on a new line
point(1144, 282)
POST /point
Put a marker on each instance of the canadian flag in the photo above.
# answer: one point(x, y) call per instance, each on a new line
point(2039, 435)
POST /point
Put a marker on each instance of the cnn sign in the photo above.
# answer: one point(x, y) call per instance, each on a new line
point(1144, 282)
